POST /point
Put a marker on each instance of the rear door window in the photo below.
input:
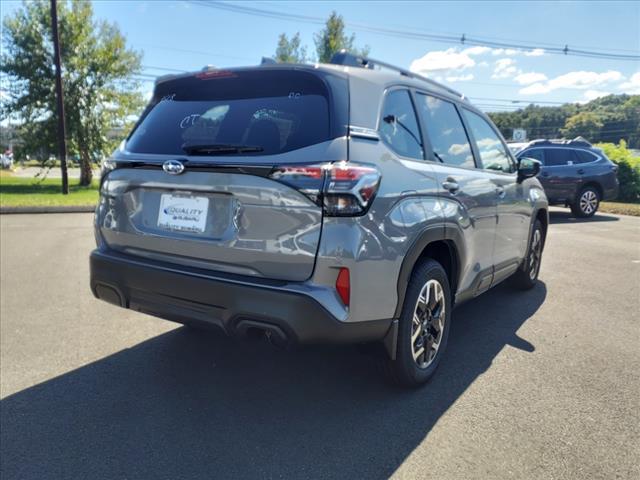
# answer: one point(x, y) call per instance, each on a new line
point(445, 131)
point(493, 153)
point(277, 111)
point(399, 125)
point(557, 157)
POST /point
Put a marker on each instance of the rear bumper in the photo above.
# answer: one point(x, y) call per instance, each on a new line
point(235, 306)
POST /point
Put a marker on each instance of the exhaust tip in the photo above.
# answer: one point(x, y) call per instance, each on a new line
point(256, 328)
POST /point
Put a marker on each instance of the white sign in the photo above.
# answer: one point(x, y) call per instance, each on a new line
point(519, 134)
point(183, 213)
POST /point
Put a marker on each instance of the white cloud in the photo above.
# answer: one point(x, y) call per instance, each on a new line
point(632, 86)
point(454, 59)
point(580, 80)
point(530, 77)
point(536, 52)
point(593, 94)
point(512, 52)
point(535, 89)
point(460, 78)
point(476, 50)
point(509, 52)
point(505, 68)
point(442, 60)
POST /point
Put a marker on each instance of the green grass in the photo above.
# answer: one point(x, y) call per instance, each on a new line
point(30, 192)
point(620, 208)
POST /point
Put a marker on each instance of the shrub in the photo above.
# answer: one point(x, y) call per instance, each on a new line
point(628, 170)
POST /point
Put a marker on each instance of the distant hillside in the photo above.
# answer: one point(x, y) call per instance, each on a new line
point(605, 119)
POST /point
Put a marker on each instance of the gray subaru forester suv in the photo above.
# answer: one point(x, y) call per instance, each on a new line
point(345, 202)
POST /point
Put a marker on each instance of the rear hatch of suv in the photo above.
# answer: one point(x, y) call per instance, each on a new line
point(219, 172)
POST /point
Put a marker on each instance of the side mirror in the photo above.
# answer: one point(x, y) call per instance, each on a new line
point(527, 168)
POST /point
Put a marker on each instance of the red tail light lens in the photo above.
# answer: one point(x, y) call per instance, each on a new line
point(343, 286)
point(343, 189)
point(350, 189)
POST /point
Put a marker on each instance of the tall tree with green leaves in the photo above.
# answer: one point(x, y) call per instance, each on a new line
point(332, 38)
point(290, 50)
point(583, 124)
point(97, 67)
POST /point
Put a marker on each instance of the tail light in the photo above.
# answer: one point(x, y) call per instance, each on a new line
point(342, 189)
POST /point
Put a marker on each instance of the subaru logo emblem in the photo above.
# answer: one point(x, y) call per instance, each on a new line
point(173, 167)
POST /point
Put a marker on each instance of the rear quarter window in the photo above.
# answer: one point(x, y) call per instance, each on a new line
point(276, 110)
point(582, 156)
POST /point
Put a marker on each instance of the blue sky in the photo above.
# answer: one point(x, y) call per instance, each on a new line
point(186, 35)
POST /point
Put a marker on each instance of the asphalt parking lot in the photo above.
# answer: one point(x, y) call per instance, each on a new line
point(543, 384)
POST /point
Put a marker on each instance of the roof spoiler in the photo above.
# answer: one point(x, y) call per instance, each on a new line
point(348, 59)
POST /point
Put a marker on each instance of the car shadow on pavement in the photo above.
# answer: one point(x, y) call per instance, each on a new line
point(189, 404)
point(558, 217)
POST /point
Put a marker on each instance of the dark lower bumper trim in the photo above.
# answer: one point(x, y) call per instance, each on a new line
point(185, 297)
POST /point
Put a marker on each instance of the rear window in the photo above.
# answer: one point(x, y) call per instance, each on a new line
point(278, 111)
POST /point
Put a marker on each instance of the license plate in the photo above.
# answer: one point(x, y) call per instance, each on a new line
point(183, 213)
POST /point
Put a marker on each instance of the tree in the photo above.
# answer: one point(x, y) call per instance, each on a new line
point(332, 38)
point(290, 51)
point(583, 124)
point(628, 170)
point(619, 116)
point(100, 94)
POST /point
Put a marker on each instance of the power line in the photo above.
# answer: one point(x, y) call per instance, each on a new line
point(518, 101)
point(445, 38)
point(165, 69)
point(195, 52)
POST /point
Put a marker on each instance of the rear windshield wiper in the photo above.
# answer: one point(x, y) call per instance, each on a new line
point(219, 149)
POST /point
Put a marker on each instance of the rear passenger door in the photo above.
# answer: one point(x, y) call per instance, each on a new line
point(468, 196)
point(560, 174)
point(513, 207)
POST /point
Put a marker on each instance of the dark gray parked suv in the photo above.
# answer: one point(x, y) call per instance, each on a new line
point(316, 203)
point(574, 174)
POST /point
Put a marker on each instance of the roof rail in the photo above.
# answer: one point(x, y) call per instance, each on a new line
point(345, 58)
point(576, 142)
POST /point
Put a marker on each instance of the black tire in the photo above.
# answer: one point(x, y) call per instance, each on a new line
point(404, 370)
point(586, 203)
point(526, 276)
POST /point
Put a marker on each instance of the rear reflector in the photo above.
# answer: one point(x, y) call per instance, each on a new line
point(343, 286)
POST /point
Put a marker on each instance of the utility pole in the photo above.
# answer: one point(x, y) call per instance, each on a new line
point(62, 131)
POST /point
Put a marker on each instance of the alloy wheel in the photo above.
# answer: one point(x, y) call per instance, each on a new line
point(535, 254)
point(428, 323)
point(588, 202)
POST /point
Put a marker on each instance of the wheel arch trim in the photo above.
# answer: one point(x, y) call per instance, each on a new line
point(446, 232)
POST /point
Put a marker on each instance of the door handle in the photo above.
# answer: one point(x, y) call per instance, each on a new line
point(581, 171)
point(500, 191)
point(451, 185)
